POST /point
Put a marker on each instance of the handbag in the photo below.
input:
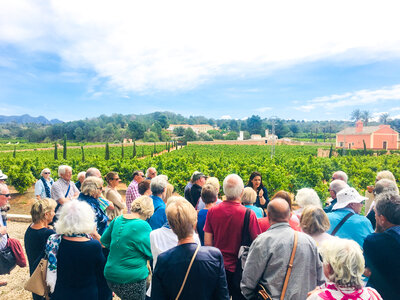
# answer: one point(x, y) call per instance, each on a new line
point(37, 282)
point(16, 248)
point(263, 293)
point(187, 272)
point(7, 261)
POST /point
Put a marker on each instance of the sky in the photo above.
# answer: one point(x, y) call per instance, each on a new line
point(303, 60)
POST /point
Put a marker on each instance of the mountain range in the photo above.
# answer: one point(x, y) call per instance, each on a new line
point(24, 119)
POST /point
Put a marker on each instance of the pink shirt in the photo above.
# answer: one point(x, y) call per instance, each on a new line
point(131, 194)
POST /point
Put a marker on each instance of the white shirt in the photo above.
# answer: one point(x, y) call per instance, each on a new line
point(3, 238)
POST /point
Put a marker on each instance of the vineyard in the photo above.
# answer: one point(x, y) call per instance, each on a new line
point(291, 168)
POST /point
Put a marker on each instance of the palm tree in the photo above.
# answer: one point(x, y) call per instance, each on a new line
point(365, 116)
point(384, 118)
point(356, 115)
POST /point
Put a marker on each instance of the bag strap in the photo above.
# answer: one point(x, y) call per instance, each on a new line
point(246, 239)
point(341, 223)
point(290, 266)
point(187, 272)
point(68, 190)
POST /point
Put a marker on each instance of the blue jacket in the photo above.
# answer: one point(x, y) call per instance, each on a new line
point(206, 279)
point(159, 218)
point(356, 228)
point(101, 217)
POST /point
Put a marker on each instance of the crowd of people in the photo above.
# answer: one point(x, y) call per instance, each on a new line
point(156, 244)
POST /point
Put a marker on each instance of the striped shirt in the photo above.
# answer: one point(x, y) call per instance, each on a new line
point(131, 194)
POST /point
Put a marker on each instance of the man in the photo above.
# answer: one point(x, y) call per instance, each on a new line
point(189, 186)
point(105, 204)
point(335, 187)
point(158, 187)
point(4, 208)
point(133, 190)
point(223, 228)
point(381, 249)
point(199, 180)
point(270, 254)
point(340, 175)
point(4, 197)
point(151, 173)
point(93, 172)
point(64, 189)
point(345, 218)
point(383, 186)
point(81, 178)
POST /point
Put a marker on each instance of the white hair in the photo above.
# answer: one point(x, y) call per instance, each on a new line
point(307, 196)
point(385, 174)
point(386, 186)
point(75, 217)
point(164, 176)
point(80, 174)
point(233, 187)
point(249, 196)
point(158, 185)
point(346, 260)
point(340, 175)
point(148, 170)
point(3, 187)
point(62, 169)
point(337, 185)
point(45, 170)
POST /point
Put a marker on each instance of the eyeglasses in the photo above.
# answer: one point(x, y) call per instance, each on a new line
point(46, 173)
point(115, 178)
point(100, 188)
point(6, 195)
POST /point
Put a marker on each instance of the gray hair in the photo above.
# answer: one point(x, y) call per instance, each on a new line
point(307, 196)
point(3, 187)
point(62, 169)
point(158, 185)
point(148, 171)
point(233, 187)
point(143, 205)
point(337, 185)
point(340, 175)
point(389, 206)
point(386, 186)
point(75, 217)
point(90, 185)
point(93, 172)
point(249, 196)
point(346, 260)
point(81, 174)
point(45, 170)
point(385, 174)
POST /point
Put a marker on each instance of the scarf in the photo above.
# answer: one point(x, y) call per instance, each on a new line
point(46, 186)
point(52, 245)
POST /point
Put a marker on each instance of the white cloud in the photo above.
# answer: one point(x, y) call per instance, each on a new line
point(226, 117)
point(357, 98)
point(144, 46)
point(263, 109)
point(395, 108)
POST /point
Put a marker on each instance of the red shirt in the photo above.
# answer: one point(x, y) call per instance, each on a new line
point(225, 222)
point(264, 223)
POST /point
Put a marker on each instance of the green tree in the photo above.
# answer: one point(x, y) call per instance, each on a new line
point(366, 115)
point(55, 151)
point(179, 131)
point(65, 147)
point(134, 150)
point(254, 124)
point(107, 154)
point(122, 151)
point(15, 151)
point(384, 118)
point(189, 135)
point(150, 137)
point(83, 154)
point(163, 121)
point(136, 129)
point(356, 115)
point(232, 136)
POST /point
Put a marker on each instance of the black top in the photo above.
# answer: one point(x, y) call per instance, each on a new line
point(329, 208)
point(195, 193)
point(80, 267)
point(371, 217)
point(35, 242)
point(206, 279)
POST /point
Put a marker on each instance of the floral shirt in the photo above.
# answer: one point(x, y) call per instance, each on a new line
point(330, 291)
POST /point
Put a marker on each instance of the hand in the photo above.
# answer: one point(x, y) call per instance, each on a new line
point(370, 188)
point(260, 193)
point(3, 230)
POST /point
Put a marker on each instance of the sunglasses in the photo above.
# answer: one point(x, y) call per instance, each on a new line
point(6, 195)
point(46, 173)
point(100, 188)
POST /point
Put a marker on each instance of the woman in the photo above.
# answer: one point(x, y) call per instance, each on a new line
point(248, 198)
point(215, 183)
point(112, 195)
point(36, 235)
point(315, 223)
point(343, 266)
point(209, 197)
point(294, 221)
point(304, 197)
point(128, 238)
point(144, 188)
point(92, 188)
point(255, 182)
point(43, 185)
point(206, 278)
point(75, 262)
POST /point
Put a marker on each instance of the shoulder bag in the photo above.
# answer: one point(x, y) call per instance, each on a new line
point(187, 272)
point(263, 293)
point(7, 261)
point(37, 282)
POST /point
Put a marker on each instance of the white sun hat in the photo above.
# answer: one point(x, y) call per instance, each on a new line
point(3, 176)
point(347, 196)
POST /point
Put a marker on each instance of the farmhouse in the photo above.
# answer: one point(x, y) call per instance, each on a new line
point(375, 137)
point(196, 128)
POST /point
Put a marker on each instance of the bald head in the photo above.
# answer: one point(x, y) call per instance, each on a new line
point(93, 172)
point(278, 211)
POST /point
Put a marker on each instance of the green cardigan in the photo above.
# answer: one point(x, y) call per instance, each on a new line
point(129, 244)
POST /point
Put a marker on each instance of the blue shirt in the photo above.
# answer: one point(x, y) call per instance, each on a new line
point(159, 218)
point(259, 212)
point(356, 228)
point(201, 221)
point(40, 189)
point(100, 216)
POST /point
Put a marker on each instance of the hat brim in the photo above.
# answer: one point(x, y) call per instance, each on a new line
point(344, 204)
